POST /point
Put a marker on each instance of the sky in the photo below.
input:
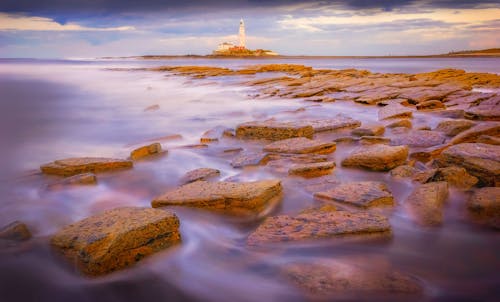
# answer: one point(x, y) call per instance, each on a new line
point(97, 28)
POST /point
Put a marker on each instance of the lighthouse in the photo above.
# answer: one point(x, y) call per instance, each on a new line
point(242, 34)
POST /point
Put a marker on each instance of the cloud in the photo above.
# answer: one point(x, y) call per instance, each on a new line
point(26, 23)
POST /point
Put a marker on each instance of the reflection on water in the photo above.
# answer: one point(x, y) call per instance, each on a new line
point(52, 110)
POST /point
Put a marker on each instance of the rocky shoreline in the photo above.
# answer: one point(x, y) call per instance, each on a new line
point(461, 153)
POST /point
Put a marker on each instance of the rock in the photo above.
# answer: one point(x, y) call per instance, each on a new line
point(417, 138)
point(490, 140)
point(274, 130)
point(16, 231)
point(425, 203)
point(199, 174)
point(346, 139)
point(455, 176)
point(192, 146)
point(79, 165)
point(318, 225)
point(401, 123)
point(430, 105)
point(145, 151)
point(370, 140)
point(471, 135)
point(394, 111)
point(339, 121)
point(403, 171)
point(429, 153)
point(301, 145)
point(480, 160)
point(227, 197)
point(369, 130)
point(213, 135)
point(80, 179)
point(152, 108)
point(362, 194)
point(487, 110)
point(326, 279)
point(454, 127)
point(320, 208)
point(117, 238)
point(450, 113)
point(377, 157)
point(484, 206)
point(250, 159)
point(312, 169)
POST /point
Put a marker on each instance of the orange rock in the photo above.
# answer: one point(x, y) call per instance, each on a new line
point(484, 206)
point(79, 165)
point(369, 130)
point(145, 151)
point(312, 169)
point(274, 130)
point(425, 203)
point(394, 111)
point(117, 238)
point(362, 194)
point(417, 138)
point(300, 145)
point(199, 174)
point(16, 230)
point(377, 157)
point(453, 127)
point(472, 134)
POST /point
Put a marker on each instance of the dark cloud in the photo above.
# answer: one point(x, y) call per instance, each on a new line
point(122, 6)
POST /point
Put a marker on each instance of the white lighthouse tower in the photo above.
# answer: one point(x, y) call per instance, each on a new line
point(242, 34)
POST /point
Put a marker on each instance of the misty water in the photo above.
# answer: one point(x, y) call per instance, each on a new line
point(53, 109)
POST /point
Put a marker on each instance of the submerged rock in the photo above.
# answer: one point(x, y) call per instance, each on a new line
point(250, 159)
point(370, 140)
point(145, 151)
point(117, 238)
point(454, 127)
point(480, 160)
point(484, 206)
point(79, 165)
point(362, 194)
point(227, 197)
point(369, 130)
point(455, 176)
point(377, 157)
point(199, 174)
point(312, 169)
point(339, 121)
point(425, 203)
point(317, 225)
point(403, 171)
point(16, 231)
point(80, 179)
point(394, 110)
point(406, 123)
point(213, 135)
point(274, 130)
point(472, 134)
point(301, 145)
point(334, 278)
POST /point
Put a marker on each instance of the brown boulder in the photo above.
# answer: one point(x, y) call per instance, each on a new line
point(318, 225)
point(377, 157)
point(362, 194)
point(484, 206)
point(16, 230)
point(326, 279)
point(454, 126)
point(480, 160)
point(79, 165)
point(146, 151)
point(425, 203)
point(199, 174)
point(471, 135)
point(301, 145)
point(274, 130)
point(248, 198)
point(117, 238)
point(312, 169)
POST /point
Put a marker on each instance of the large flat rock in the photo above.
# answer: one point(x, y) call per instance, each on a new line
point(117, 238)
point(145, 151)
point(480, 160)
point(453, 127)
point(377, 157)
point(362, 194)
point(349, 280)
point(80, 165)
point(417, 138)
point(339, 121)
point(394, 111)
point(227, 197)
point(312, 169)
point(301, 145)
point(199, 174)
point(274, 130)
point(425, 203)
point(317, 225)
point(472, 134)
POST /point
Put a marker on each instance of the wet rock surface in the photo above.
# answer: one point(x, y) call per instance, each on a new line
point(273, 130)
point(343, 280)
point(199, 174)
point(454, 127)
point(417, 138)
point(362, 194)
point(301, 145)
point(425, 203)
point(227, 197)
point(480, 160)
point(394, 111)
point(213, 135)
point(454, 176)
point(472, 134)
point(318, 225)
point(369, 130)
point(484, 206)
point(377, 157)
point(76, 180)
point(145, 151)
point(117, 238)
point(250, 159)
point(312, 169)
point(79, 165)
point(17, 231)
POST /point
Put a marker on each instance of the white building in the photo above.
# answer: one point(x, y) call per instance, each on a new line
point(241, 34)
point(225, 46)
